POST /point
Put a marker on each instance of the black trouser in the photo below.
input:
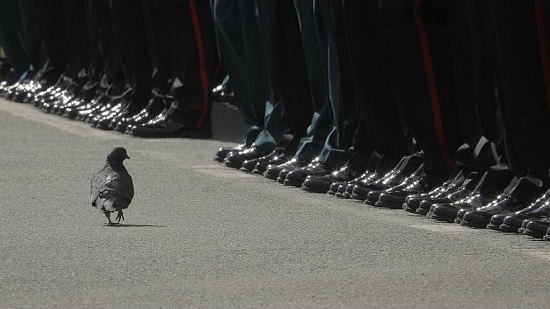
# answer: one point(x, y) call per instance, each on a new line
point(79, 51)
point(184, 51)
point(20, 34)
point(294, 91)
point(519, 44)
point(379, 124)
point(54, 38)
point(129, 25)
point(107, 44)
point(417, 40)
point(474, 76)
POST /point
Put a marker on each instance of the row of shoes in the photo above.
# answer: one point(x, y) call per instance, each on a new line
point(494, 199)
point(106, 107)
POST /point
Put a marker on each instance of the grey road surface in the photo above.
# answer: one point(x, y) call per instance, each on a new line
point(201, 235)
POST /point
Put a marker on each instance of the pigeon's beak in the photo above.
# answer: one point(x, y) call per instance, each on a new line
point(127, 157)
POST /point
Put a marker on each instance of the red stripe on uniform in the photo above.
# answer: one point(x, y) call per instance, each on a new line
point(434, 97)
point(202, 63)
point(543, 49)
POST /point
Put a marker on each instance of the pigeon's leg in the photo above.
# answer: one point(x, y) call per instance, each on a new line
point(108, 215)
point(119, 216)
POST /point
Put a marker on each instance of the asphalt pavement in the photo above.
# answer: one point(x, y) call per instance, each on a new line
point(201, 235)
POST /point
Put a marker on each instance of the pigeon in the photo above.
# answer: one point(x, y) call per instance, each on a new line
point(112, 188)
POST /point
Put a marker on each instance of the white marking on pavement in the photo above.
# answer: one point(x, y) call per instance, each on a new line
point(443, 228)
point(222, 171)
point(538, 253)
point(74, 127)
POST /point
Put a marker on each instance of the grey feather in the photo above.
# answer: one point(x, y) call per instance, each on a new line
point(112, 188)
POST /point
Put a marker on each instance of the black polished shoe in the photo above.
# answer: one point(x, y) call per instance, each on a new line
point(412, 202)
point(249, 165)
point(523, 225)
point(403, 169)
point(512, 222)
point(453, 212)
point(428, 207)
point(297, 177)
point(236, 159)
point(395, 197)
point(547, 236)
point(321, 184)
point(536, 228)
point(374, 195)
point(468, 185)
point(261, 167)
point(493, 182)
point(223, 93)
point(170, 128)
point(156, 105)
point(224, 151)
point(273, 171)
point(338, 188)
point(518, 197)
point(379, 165)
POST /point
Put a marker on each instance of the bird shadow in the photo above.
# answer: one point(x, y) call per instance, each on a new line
point(133, 225)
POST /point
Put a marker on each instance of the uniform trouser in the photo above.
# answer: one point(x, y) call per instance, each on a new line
point(79, 55)
point(473, 74)
point(185, 41)
point(417, 40)
point(520, 34)
point(129, 26)
point(379, 121)
point(20, 34)
point(325, 133)
point(295, 94)
point(243, 41)
point(107, 44)
point(52, 20)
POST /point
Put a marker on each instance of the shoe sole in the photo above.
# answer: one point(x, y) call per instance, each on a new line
point(474, 225)
point(533, 233)
point(233, 164)
point(421, 211)
point(271, 176)
point(314, 190)
point(441, 218)
point(508, 228)
point(357, 197)
point(293, 183)
point(382, 204)
point(406, 207)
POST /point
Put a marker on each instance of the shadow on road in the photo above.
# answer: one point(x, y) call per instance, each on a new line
point(134, 225)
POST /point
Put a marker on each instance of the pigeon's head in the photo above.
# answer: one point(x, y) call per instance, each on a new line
point(118, 155)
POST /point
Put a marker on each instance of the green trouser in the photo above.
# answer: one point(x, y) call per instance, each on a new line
point(318, 37)
point(246, 38)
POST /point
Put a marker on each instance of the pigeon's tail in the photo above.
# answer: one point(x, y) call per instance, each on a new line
point(107, 199)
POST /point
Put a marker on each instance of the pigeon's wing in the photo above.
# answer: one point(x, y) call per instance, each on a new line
point(125, 190)
point(109, 193)
point(96, 183)
point(105, 189)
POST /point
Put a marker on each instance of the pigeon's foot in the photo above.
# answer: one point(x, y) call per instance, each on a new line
point(120, 215)
point(108, 215)
point(111, 223)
